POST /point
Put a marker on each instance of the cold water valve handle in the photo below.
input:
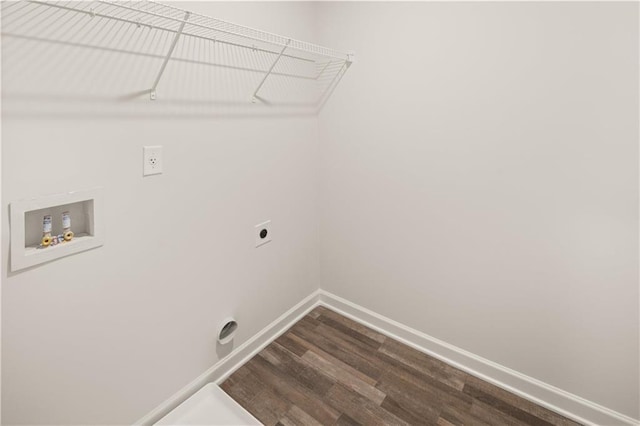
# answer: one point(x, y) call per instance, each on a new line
point(66, 226)
point(46, 231)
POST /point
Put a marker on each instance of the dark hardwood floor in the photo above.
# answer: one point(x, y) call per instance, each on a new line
point(330, 370)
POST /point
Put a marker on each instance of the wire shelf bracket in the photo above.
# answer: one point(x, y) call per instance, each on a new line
point(254, 98)
point(169, 53)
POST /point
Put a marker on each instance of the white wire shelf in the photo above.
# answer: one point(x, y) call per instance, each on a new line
point(271, 69)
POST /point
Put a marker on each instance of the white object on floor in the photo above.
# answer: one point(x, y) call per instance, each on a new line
point(209, 406)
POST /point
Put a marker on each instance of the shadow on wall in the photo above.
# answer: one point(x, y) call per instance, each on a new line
point(223, 350)
point(96, 59)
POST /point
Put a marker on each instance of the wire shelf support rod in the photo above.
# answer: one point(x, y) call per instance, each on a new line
point(169, 53)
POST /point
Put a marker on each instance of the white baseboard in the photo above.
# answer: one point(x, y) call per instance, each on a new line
point(562, 402)
point(243, 353)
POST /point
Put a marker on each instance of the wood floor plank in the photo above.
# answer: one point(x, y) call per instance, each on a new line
point(326, 314)
point(296, 347)
point(345, 420)
point(330, 370)
point(396, 408)
point(439, 392)
point(360, 409)
point(290, 364)
point(423, 368)
point(409, 401)
point(460, 416)
point(382, 362)
point(242, 386)
point(269, 408)
point(318, 342)
point(292, 391)
point(340, 364)
point(503, 406)
point(349, 331)
point(444, 422)
point(295, 417)
point(306, 323)
point(424, 363)
point(346, 375)
point(516, 401)
point(490, 415)
point(268, 354)
point(315, 313)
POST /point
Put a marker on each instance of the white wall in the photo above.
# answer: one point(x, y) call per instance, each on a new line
point(104, 336)
point(479, 182)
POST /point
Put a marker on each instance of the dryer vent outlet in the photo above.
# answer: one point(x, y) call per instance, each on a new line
point(227, 331)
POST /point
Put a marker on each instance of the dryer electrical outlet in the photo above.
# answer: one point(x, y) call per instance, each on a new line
point(263, 233)
point(152, 157)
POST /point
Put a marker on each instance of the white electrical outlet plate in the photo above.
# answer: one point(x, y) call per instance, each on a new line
point(152, 156)
point(263, 233)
